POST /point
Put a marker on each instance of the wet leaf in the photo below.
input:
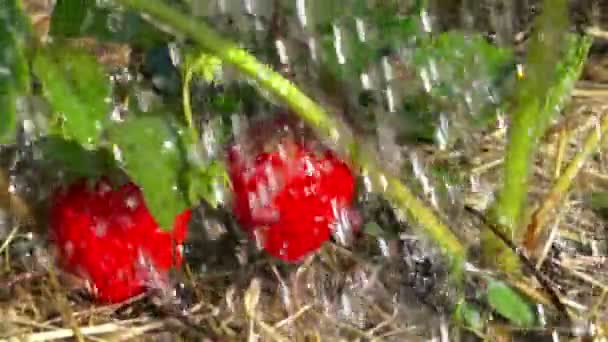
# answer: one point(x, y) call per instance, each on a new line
point(14, 76)
point(470, 316)
point(373, 229)
point(153, 155)
point(209, 183)
point(460, 66)
point(77, 88)
point(459, 76)
point(599, 200)
point(599, 203)
point(90, 18)
point(208, 178)
point(73, 159)
point(462, 55)
point(421, 119)
point(160, 68)
point(509, 304)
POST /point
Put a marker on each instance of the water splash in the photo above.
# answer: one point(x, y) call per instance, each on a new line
point(364, 66)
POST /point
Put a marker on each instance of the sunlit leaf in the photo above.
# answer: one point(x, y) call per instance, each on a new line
point(77, 88)
point(204, 65)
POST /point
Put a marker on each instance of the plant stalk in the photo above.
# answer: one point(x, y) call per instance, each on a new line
point(548, 82)
point(560, 189)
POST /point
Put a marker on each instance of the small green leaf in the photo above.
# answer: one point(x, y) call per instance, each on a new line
point(470, 316)
point(509, 304)
point(205, 65)
point(73, 159)
point(14, 75)
point(598, 200)
point(207, 176)
point(421, 116)
point(78, 89)
point(373, 229)
point(153, 155)
point(209, 183)
point(599, 203)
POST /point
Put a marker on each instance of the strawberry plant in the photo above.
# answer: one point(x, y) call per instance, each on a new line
point(133, 148)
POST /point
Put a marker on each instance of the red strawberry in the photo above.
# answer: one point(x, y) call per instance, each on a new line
point(289, 197)
point(109, 237)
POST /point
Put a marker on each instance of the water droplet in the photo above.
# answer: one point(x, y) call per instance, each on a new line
point(115, 22)
point(4, 71)
point(168, 145)
point(117, 153)
point(301, 10)
point(132, 202)
point(338, 44)
point(282, 52)
point(68, 249)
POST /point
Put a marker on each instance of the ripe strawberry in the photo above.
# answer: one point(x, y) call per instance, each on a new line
point(290, 196)
point(109, 237)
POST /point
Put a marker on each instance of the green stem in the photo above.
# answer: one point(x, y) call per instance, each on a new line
point(541, 95)
point(312, 113)
point(187, 104)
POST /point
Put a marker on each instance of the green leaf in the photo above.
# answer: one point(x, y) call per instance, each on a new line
point(209, 183)
point(464, 66)
point(509, 304)
point(470, 316)
point(78, 89)
point(207, 176)
point(73, 159)
point(457, 54)
point(598, 201)
point(373, 229)
point(459, 75)
point(564, 75)
point(353, 55)
point(14, 74)
point(421, 116)
point(204, 65)
point(153, 154)
point(87, 18)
